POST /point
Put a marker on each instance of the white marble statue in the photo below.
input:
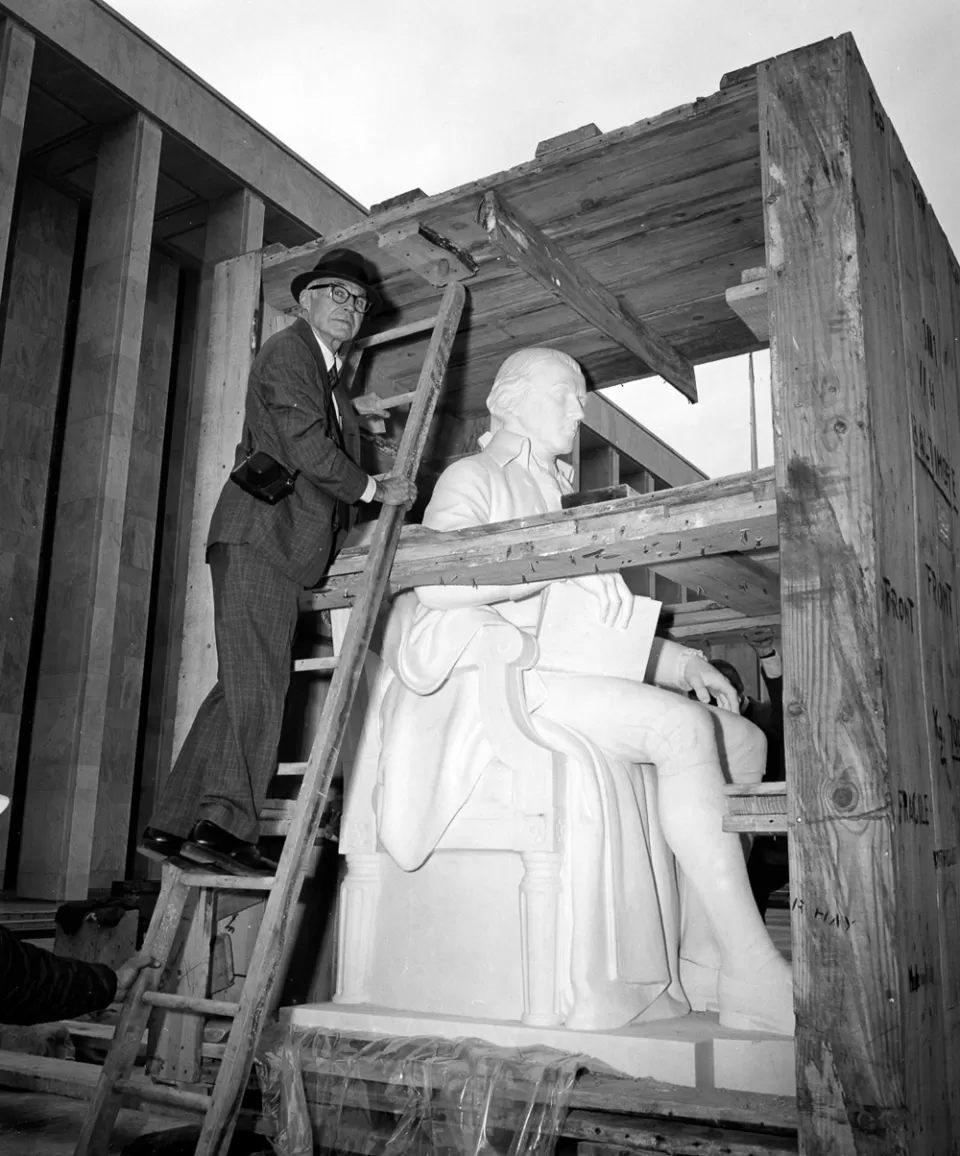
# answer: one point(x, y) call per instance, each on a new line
point(636, 780)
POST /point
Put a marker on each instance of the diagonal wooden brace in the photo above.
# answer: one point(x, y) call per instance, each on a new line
point(547, 263)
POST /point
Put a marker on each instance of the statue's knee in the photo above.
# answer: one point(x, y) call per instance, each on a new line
point(687, 733)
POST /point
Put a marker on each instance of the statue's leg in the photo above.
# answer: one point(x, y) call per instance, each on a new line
point(743, 756)
point(641, 723)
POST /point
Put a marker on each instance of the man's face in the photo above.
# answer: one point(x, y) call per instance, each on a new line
point(552, 408)
point(336, 324)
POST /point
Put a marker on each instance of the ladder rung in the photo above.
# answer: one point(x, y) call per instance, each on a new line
point(205, 1007)
point(163, 1094)
point(292, 769)
point(385, 336)
point(226, 882)
point(322, 665)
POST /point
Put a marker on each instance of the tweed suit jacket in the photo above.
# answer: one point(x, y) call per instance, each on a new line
point(290, 415)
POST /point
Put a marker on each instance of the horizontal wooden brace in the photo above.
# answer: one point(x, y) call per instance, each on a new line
point(756, 808)
point(725, 625)
point(718, 516)
point(735, 582)
point(550, 266)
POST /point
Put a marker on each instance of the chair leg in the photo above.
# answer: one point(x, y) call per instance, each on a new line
point(539, 926)
point(359, 894)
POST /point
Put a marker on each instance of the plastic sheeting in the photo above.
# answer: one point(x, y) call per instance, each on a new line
point(418, 1096)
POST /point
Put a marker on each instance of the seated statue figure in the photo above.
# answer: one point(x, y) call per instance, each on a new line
point(645, 757)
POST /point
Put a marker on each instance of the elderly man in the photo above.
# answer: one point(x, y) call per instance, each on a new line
point(264, 546)
point(536, 405)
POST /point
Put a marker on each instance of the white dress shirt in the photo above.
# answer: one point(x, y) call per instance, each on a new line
point(331, 361)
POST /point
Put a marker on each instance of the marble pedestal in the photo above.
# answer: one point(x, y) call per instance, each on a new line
point(692, 1051)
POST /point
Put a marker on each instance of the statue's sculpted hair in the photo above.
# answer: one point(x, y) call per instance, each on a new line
point(513, 378)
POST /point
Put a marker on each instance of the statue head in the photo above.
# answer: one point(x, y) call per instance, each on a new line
point(539, 394)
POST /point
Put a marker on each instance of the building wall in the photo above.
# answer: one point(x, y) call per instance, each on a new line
point(34, 326)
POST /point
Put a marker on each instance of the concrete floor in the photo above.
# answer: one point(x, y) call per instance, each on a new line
point(37, 1124)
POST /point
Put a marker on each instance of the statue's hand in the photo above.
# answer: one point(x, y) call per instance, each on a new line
point(613, 595)
point(707, 682)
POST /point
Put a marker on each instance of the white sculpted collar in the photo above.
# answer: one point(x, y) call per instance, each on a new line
point(505, 447)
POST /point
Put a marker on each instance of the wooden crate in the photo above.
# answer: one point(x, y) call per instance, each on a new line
point(865, 294)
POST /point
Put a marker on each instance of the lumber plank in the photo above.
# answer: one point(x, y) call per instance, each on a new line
point(717, 516)
point(704, 1120)
point(864, 626)
point(756, 807)
point(426, 252)
point(549, 265)
point(749, 301)
point(619, 1094)
point(735, 582)
point(603, 1135)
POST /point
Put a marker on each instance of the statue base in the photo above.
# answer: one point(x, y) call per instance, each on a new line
point(690, 1051)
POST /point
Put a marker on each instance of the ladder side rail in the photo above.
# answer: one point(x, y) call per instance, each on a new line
point(269, 952)
point(105, 1102)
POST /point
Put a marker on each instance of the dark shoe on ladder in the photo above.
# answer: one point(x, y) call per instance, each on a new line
point(222, 1107)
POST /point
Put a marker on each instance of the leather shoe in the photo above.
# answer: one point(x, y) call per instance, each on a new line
point(209, 844)
point(157, 844)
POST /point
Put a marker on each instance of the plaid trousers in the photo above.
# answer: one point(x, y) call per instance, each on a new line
point(230, 753)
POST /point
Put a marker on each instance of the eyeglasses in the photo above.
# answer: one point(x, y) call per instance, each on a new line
point(341, 295)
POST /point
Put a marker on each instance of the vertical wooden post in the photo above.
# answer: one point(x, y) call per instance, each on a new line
point(868, 508)
point(236, 292)
point(122, 719)
point(65, 764)
point(234, 226)
point(16, 64)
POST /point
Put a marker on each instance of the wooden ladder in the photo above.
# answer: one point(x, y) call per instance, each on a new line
point(221, 1108)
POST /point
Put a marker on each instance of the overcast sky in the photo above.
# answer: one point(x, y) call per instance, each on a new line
point(388, 95)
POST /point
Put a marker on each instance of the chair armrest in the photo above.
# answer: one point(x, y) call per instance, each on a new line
point(502, 653)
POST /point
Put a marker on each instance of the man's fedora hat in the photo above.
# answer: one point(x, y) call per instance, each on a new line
point(342, 265)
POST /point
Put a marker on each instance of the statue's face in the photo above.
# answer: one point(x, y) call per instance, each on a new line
point(552, 408)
